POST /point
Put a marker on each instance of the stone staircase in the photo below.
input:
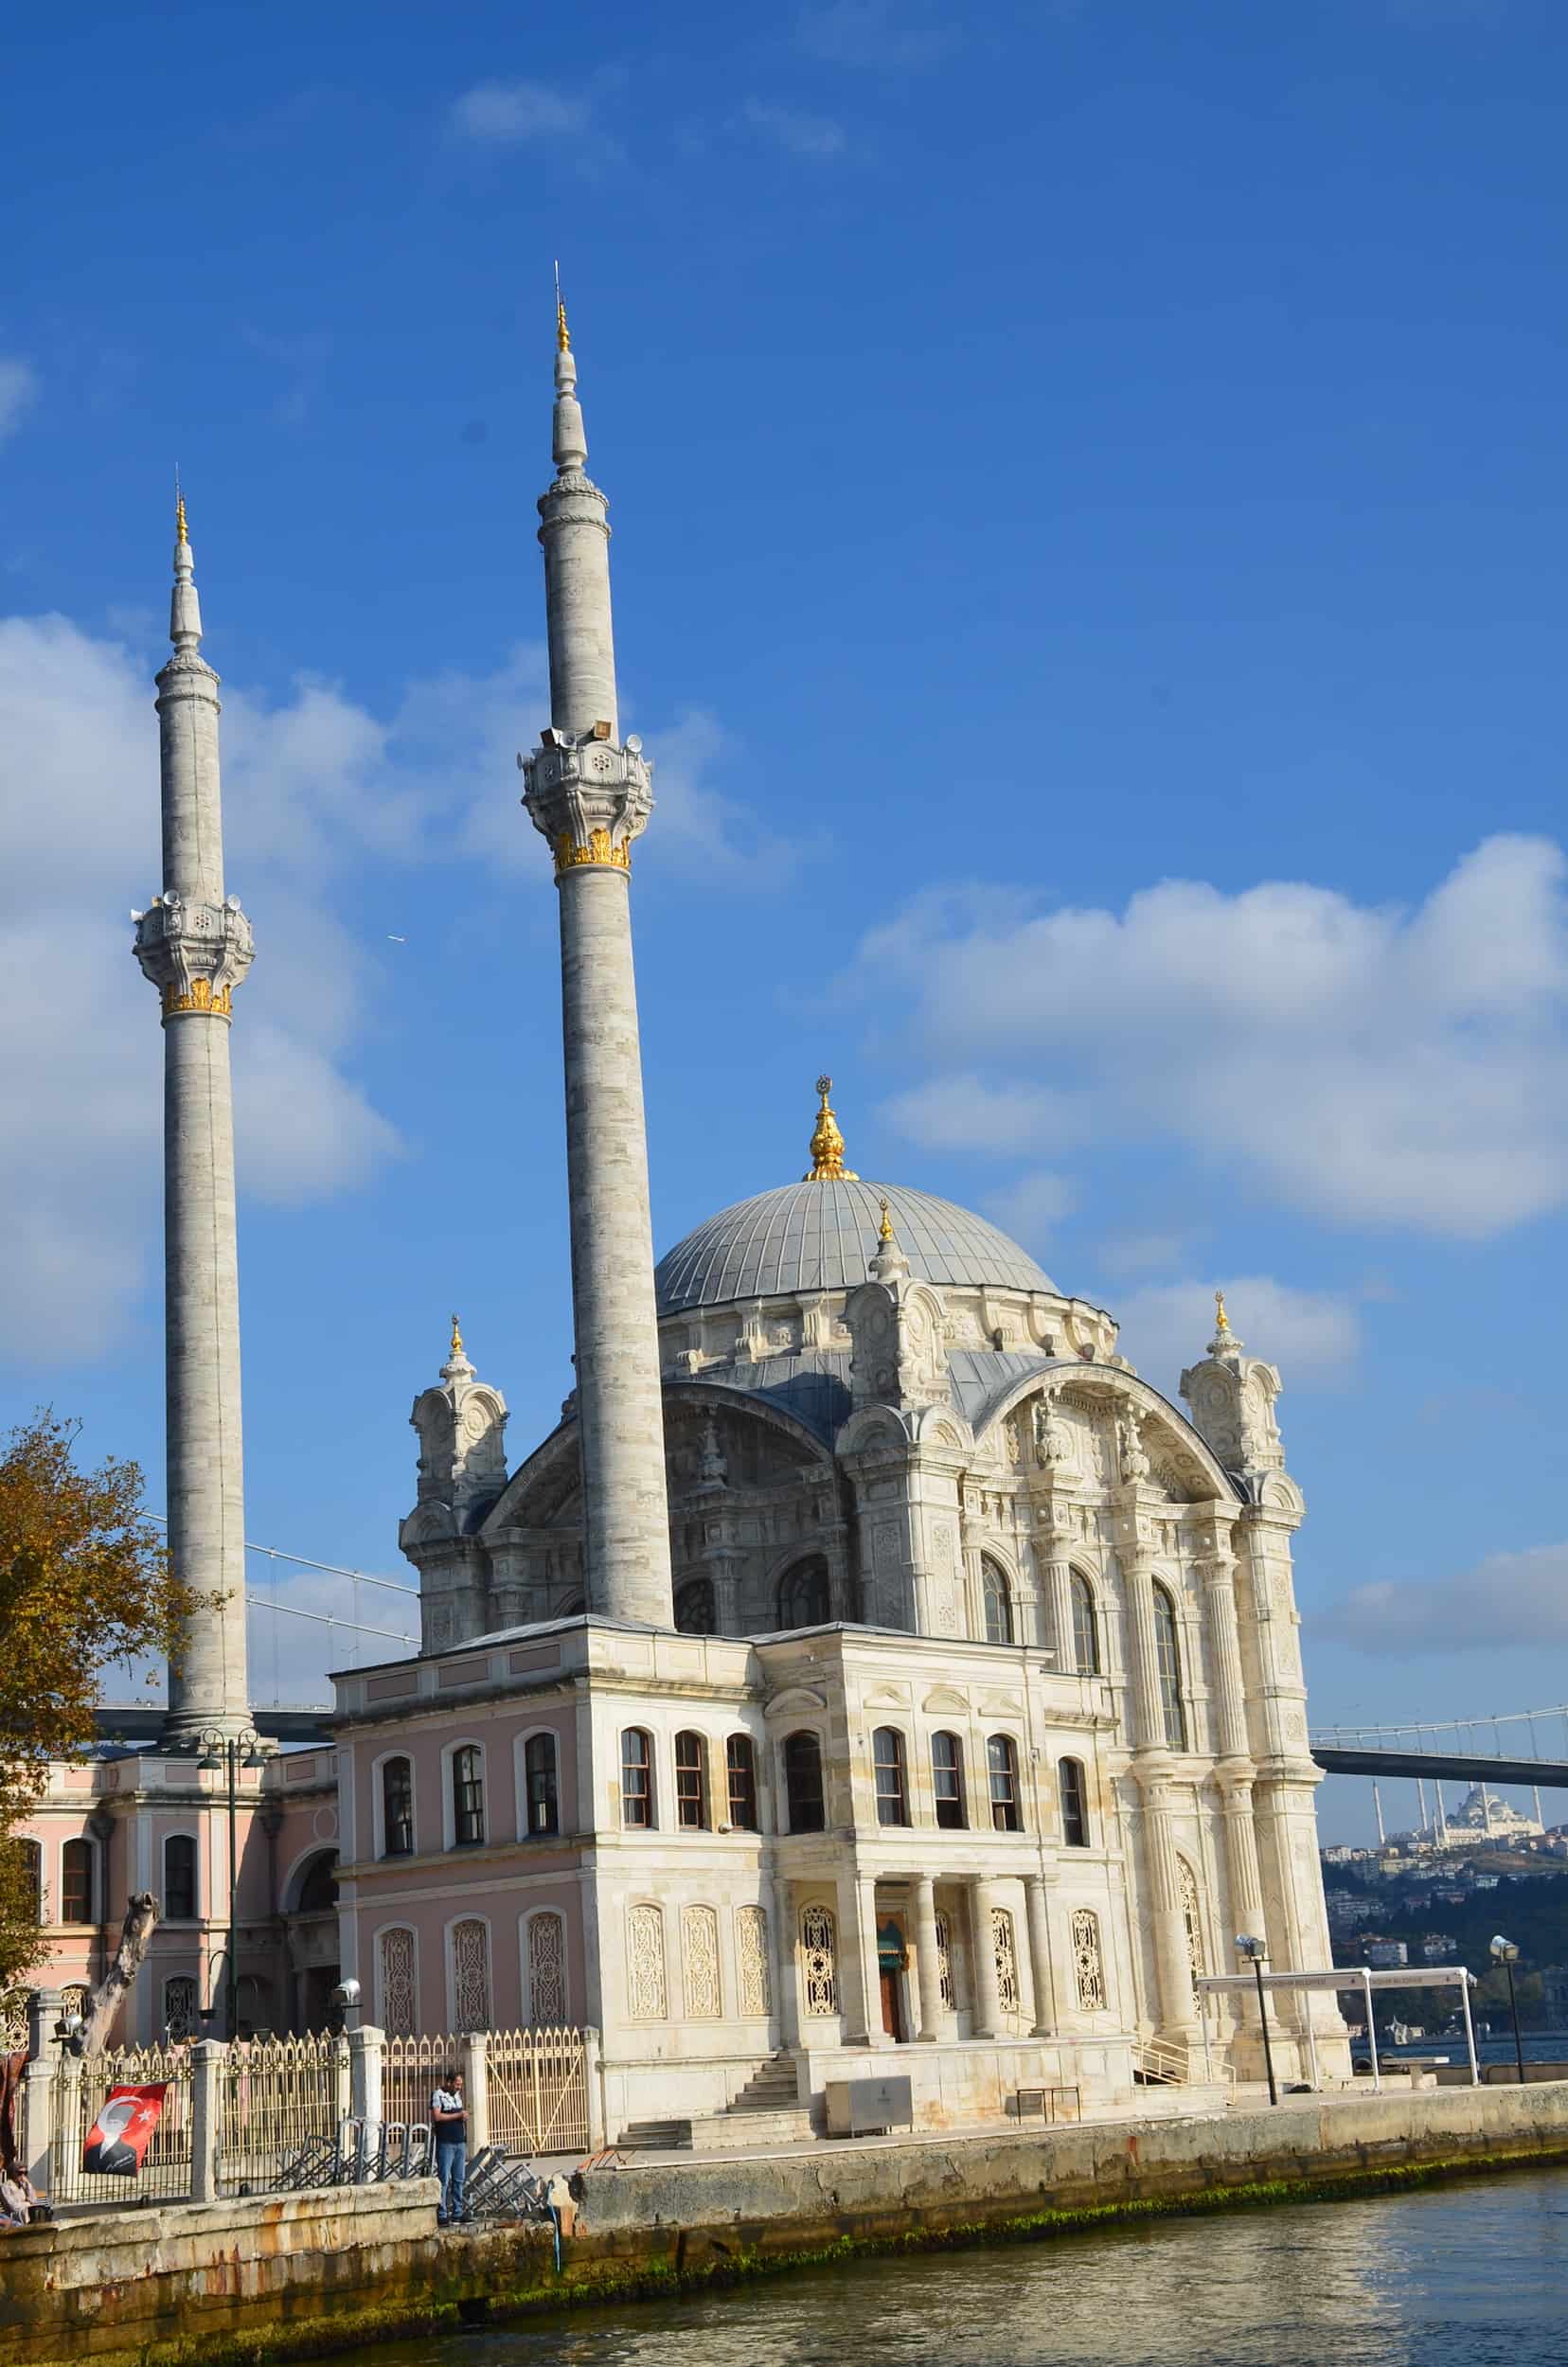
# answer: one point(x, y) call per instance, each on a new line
point(766, 2111)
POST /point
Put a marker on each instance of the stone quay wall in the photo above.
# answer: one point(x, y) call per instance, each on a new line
point(281, 2277)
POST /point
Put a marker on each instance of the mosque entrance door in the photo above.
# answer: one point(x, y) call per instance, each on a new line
point(892, 1958)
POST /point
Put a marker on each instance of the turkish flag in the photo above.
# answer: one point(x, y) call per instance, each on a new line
point(119, 2136)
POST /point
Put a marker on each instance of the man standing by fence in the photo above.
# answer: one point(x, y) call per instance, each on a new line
point(449, 2122)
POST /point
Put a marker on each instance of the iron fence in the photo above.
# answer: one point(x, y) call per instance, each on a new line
point(78, 2092)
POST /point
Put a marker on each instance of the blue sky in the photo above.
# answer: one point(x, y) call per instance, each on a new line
point(1089, 487)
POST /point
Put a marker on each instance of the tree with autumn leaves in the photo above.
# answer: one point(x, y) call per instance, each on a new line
point(84, 1583)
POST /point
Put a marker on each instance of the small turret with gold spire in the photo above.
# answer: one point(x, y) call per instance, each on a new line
point(889, 1264)
point(457, 1366)
point(828, 1144)
point(1224, 1341)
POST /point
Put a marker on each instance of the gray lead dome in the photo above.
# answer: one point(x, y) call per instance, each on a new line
point(823, 1236)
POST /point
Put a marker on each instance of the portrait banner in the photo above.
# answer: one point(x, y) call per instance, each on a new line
point(119, 2137)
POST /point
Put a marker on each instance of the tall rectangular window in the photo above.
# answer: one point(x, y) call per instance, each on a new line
point(1002, 1766)
point(691, 1808)
point(398, 1807)
point(179, 1898)
point(887, 1757)
point(468, 1796)
point(947, 1780)
point(539, 1774)
point(1074, 1804)
point(740, 1772)
point(636, 1778)
point(76, 1888)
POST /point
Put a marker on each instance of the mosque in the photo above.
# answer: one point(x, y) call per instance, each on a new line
point(869, 1668)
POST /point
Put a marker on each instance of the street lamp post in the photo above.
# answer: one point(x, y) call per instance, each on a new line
point(1253, 1951)
point(1506, 1952)
point(233, 1751)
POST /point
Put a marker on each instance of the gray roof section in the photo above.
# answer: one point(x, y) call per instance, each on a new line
point(814, 1387)
point(822, 1237)
point(981, 1377)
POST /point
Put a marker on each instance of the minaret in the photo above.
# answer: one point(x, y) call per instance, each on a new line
point(589, 795)
point(195, 946)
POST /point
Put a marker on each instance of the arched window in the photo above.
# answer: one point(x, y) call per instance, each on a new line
point(646, 1993)
point(803, 1595)
point(691, 1786)
point(803, 1783)
point(1074, 1804)
point(819, 1960)
point(636, 1778)
point(947, 1780)
point(740, 1772)
point(179, 2002)
point(399, 1982)
point(1002, 1769)
point(468, 1800)
point(318, 1891)
point(32, 1877)
point(694, 1608)
point(179, 1898)
point(1086, 1658)
point(76, 1883)
point(887, 1759)
point(471, 1974)
point(538, 1783)
point(396, 1807)
point(993, 1589)
point(545, 1954)
point(1167, 1653)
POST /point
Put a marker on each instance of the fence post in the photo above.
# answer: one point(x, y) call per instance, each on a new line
point(473, 2061)
point(365, 2073)
point(342, 2091)
point(208, 2058)
point(591, 2080)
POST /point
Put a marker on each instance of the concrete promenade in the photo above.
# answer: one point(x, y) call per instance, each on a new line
point(302, 2275)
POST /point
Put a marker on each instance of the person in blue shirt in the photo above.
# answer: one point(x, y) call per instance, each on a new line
point(449, 2124)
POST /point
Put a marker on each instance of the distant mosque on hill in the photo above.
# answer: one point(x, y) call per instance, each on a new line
point(869, 1671)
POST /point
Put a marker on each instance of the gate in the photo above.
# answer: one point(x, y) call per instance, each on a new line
point(537, 2082)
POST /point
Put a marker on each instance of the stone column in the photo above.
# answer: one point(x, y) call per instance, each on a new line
point(928, 1968)
point(1037, 1892)
point(851, 1986)
point(786, 1962)
point(865, 1932)
point(208, 2059)
point(364, 2073)
point(591, 797)
point(1059, 1593)
point(593, 2080)
point(1230, 1692)
point(986, 2009)
point(473, 2061)
point(194, 945)
point(1172, 1962)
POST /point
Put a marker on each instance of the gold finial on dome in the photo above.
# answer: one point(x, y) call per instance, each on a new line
point(884, 1231)
point(1221, 1320)
point(563, 335)
point(828, 1144)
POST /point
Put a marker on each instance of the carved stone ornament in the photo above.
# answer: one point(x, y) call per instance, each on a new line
point(1134, 1459)
point(588, 797)
point(1053, 1439)
point(195, 954)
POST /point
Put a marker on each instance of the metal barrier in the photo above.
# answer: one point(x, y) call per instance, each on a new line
point(537, 2083)
point(410, 2069)
point(274, 2094)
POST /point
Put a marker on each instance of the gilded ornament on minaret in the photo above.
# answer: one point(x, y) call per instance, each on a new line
point(457, 1337)
point(828, 1144)
point(1221, 1320)
point(884, 1231)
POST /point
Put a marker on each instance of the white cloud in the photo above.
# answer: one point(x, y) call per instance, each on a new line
point(1370, 1064)
point(885, 36)
point(1311, 1335)
point(1508, 1599)
point(517, 111)
point(79, 1034)
point(1030, 1207)
point(815, 137)
point(18, 390)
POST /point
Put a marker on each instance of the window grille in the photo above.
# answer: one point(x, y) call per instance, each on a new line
point(180, 2008)
point(944, 1961)
point(1007, 1959)
point(1087, 1966)
point(700, 1963)
point(751, 1930)
point(471, 1980)
point(1192, 1917)
point(803, 1595)
point(695, 1614)
point(547, 1971)
point(818, 1945)
point(644, 1965)
point(400, 2009)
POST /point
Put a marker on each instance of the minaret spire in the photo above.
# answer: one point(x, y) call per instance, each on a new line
point(589, 795)
point(194, 945)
